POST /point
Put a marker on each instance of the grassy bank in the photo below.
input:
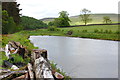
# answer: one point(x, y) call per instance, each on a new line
point(106, 32)
point(22, 37)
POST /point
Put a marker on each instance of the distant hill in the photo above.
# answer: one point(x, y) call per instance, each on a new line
point(97, 18)
point(44, 19)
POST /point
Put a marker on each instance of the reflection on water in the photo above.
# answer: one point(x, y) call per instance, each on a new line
point(81, 58)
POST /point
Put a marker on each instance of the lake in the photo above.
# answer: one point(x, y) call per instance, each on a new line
point(80, 57)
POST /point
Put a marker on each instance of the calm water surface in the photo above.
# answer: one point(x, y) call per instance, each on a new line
point(81, 58)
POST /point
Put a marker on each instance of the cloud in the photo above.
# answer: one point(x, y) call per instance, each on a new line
point(51, 8)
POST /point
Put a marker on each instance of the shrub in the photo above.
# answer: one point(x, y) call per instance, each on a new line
point(62, 30)
point(84, 30)
point(117, 32)
point(106, 31)
point(54, 67)
point(96, 30)
point(109, 31)
point(2, 57)
point(17, 58)
point(57, 29)
point(101, 31)
point(52, 28)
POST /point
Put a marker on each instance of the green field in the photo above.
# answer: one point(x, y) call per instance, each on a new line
point(107, 32)
point(97, 19)
point(91, 29)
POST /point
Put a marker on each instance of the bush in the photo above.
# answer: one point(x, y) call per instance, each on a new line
point(19, 28)
point(106, 31)
point(84, 30)
point(2, 58)
point(101, 31)
point(96, 31)
point(62, 30)
point(54, 67)
point(17, 58)
point(52, 28)
point(117, 32)
point(51, 23)
point(109, 31)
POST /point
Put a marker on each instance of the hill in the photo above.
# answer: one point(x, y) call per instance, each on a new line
point(44, 19)
point(97, 18)
point(30, 23)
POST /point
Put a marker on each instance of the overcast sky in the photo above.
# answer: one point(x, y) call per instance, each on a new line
point(50, 8)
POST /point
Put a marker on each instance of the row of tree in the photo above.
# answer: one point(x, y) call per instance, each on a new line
point(85, 17)
point(13, 21)
point(63, 20)
point(30, 23)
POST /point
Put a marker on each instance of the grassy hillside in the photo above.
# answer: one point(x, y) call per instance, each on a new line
point(97, 18)
point(30, 23)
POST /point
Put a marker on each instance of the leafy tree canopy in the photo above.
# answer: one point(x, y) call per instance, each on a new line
point(85, 16)
point(13, 10)
point(8, 24)
point(30, 23)
point(106, 19)
point(63, 20)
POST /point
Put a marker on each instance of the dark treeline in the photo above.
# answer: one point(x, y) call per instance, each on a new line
point(30, 23)
point(13, 10)
point(13, 21)
point(10, 17)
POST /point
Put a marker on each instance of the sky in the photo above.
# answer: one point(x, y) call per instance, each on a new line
point(50, 8)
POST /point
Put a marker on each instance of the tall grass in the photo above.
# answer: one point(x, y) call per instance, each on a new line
point(55, 68)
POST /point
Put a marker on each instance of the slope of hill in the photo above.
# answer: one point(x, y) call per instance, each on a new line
point(45, 19)
point(97, 18)
point(30, 23)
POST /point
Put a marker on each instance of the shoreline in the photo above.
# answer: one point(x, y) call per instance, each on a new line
point(77, 37)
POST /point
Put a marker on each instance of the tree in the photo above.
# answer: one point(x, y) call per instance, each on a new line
point(51, 23)
point(30, 23)
point(85, 16)
point(13, 10)
point(8, 24)
point(106, 19)
point(63, 20)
